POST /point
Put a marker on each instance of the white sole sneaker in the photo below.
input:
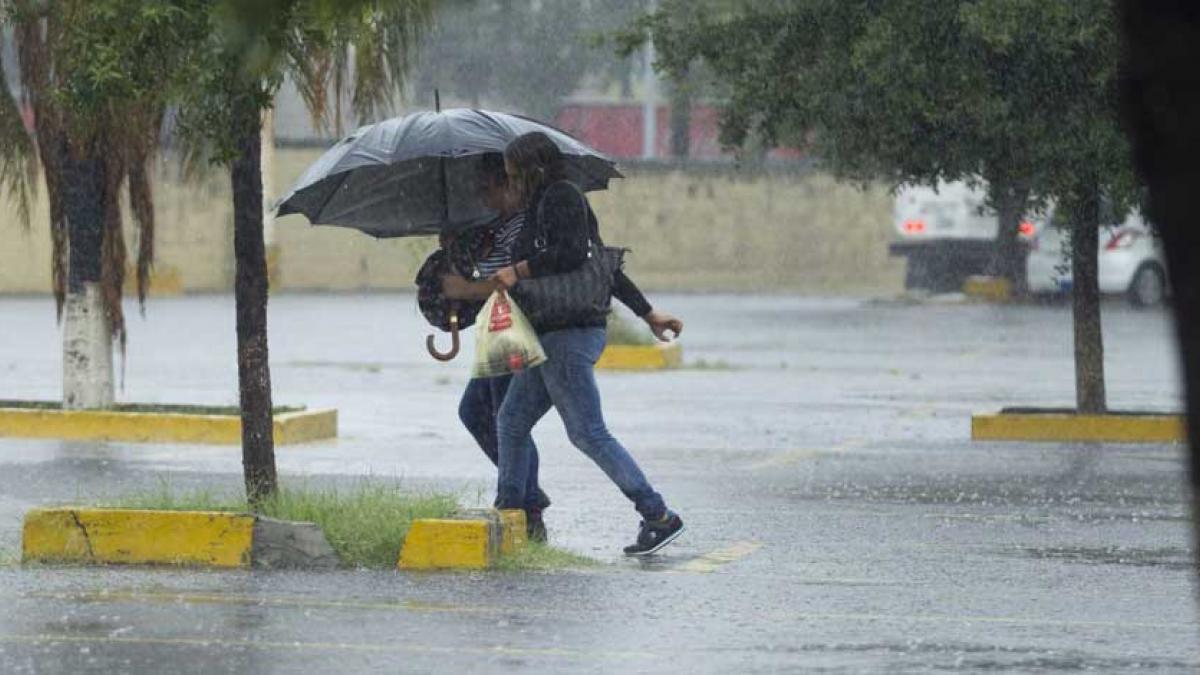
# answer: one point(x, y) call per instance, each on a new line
point(670, 538)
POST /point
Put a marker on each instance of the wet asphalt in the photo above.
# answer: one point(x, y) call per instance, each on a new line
point(839, 518)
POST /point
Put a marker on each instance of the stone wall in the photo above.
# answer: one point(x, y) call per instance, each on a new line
point(699, 229)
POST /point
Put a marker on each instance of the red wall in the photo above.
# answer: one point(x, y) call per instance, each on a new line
point(616, 130)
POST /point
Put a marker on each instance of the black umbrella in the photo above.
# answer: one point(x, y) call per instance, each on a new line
point(420, 174)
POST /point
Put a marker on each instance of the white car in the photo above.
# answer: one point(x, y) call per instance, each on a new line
point(1131, 262)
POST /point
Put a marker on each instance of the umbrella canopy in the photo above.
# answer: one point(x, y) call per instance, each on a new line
point(421, 173)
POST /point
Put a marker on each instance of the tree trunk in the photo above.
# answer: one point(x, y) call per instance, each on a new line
point(250, 290)
point(87, 333)
point(681, 116)
point(1160, 96)
point(1085, 299)
point(1008, 258)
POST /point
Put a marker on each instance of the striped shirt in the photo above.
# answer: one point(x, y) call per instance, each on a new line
point(504, 235)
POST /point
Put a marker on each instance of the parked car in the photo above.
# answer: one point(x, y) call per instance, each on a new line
point(1131, 262)
point(946, 233)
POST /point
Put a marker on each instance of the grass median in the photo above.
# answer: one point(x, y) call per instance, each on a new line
point(365, 523)
point(544, 558)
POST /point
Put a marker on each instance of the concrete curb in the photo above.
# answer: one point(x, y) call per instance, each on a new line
point(988, 289)
point(639, 357)
point(1067, 427)
point(471, 541)
point(97, 536)
point(154, 427)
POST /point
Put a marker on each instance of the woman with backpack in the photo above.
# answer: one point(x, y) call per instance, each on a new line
point(559, 237)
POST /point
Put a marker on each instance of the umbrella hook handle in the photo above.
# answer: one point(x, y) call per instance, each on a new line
point(454, 342)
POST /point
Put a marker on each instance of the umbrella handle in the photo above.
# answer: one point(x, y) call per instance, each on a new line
point(454, 342)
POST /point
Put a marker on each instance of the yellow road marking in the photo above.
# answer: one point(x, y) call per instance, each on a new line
point(711, 562)
point(798, 455)
point(322, 646)
point(251, 600)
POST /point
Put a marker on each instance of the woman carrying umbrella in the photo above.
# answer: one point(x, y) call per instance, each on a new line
point(418, 175)
point(482, 397)
point(559, 233)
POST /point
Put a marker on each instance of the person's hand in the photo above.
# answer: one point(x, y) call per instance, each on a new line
point(506, 277)
point(661, 322)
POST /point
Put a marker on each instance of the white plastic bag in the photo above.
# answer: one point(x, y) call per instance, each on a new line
point(505, 341)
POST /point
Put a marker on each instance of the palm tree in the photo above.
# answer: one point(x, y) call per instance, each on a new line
point(330, 49)
point(98, 76)
point(95, 75)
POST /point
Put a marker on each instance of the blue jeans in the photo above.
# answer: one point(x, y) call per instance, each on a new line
point(567, 382)
point(478, 409)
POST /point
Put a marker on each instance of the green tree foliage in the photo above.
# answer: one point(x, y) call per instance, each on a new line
point(97, 75)
point(1018, 92)
point(328, 48)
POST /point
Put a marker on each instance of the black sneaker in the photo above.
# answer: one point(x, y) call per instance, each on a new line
point(535, 527)
point(652, 536)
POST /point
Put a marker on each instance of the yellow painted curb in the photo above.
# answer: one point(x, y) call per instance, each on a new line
point(513, 530)
point(471, 541)
point(988, 289)
point(120, 536)
point(1067, 427)
point(638, 357)
point(304, 426)
point(147, 427)
point(441, 543)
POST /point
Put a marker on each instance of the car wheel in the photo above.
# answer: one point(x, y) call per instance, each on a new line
point(1149, 286)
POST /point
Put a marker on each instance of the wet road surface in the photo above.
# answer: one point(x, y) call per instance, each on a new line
point(839, 518)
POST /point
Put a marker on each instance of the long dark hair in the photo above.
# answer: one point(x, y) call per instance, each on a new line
point(537, 162)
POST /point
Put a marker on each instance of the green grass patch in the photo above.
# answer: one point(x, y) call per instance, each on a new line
point(623, 332)
point(365, 524)
point(542, 557)
point(168, 408)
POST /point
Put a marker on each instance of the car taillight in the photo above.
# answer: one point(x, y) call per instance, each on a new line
point(1122, 239)
point(914, 226)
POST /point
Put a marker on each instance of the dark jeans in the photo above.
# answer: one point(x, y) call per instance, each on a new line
point(567, 382)
point(478, 409)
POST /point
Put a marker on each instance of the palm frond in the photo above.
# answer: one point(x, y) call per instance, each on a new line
point(356, 49)
point(312, 72)
point(37, 29)
point(385, 40)
point(142, 149)
point(18, 159)
point(113, 254)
